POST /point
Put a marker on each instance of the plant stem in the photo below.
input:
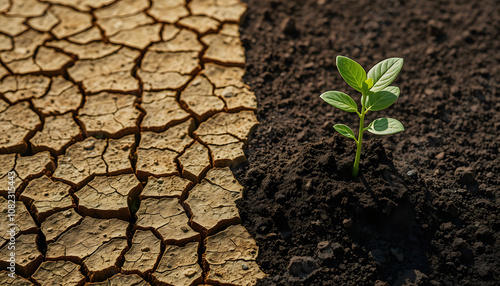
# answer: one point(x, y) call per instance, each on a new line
point(355, 168)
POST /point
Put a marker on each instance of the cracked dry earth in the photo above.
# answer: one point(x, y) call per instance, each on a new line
point(120, 120)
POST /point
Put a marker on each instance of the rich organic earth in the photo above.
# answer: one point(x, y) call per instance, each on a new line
point(425, 209)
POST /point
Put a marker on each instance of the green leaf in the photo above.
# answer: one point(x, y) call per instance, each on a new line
point(393, 89)
point(385, 126)
point(381, 99)
point(384, 73)
point(369, 82)
point(340, 100)
point(344, 130)
point(352, 72)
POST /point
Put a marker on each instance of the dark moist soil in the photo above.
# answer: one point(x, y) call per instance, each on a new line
point(425, 208)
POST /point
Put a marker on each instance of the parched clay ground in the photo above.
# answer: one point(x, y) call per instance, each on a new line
point(120, 119)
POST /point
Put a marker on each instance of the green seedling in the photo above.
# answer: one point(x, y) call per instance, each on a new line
point(376, 94)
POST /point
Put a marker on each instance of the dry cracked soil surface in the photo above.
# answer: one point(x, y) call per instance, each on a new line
point(119, 120)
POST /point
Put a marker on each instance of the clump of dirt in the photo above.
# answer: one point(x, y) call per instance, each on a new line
point(425, 207)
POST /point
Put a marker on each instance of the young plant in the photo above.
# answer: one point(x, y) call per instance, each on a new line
point(376, 94)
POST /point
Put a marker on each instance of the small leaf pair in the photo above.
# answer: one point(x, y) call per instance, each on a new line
point(376, 95)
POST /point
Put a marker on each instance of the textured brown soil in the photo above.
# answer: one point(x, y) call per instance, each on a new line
point(425, 208)
point(119, 120)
